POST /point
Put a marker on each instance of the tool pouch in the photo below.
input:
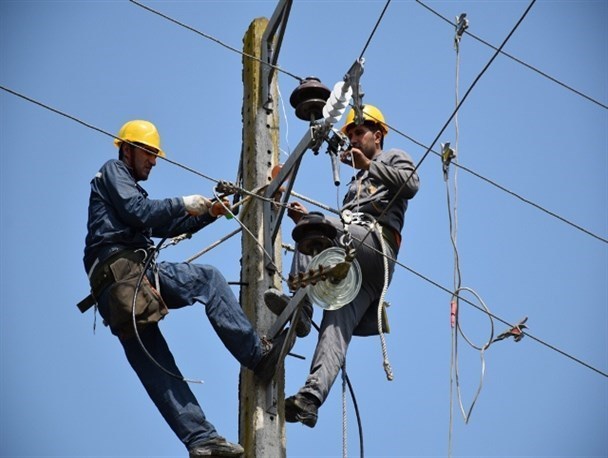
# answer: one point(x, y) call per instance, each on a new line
point(149, 305)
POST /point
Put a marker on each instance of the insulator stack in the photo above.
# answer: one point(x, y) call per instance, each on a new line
point(309, 99)
point(338, 101)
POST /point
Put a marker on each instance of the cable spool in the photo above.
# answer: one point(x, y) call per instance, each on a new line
point(331, 295)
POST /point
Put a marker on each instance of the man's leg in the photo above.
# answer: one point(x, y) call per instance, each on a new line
point(173, 397)
point(183, 283)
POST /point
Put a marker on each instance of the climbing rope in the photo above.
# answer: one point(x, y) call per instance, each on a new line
point(381, 305)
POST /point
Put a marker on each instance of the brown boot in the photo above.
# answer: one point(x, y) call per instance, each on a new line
point(303, 408)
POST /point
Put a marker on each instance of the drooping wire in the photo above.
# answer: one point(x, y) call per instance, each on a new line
point(148, 262)
point(519, 61)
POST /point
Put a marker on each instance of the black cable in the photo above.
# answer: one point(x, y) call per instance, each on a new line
point(518, 60)
point(209, 37)
point(447, 123)
point(352, 395)
point(374, 30)
point(503, 188)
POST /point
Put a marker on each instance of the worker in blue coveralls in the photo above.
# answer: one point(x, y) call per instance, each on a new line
point(379, 192)
point(122, 220)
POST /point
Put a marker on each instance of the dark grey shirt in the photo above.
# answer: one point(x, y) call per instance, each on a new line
point(390, 174)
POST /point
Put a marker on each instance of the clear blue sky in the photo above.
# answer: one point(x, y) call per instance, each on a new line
point(67, 392)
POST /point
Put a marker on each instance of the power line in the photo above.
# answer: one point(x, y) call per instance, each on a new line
point(504, 189)
point(499, 50)
point(519, 61)
point(90, 126)
point(447, 123)
point(209, 37)
point(374, 29)
point(492, 315)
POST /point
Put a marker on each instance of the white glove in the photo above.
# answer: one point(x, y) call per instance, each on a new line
point(196, 204)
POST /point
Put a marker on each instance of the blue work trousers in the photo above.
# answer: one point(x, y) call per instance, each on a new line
point(182, 284)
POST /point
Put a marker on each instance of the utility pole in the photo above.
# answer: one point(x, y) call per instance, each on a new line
point(261, 412)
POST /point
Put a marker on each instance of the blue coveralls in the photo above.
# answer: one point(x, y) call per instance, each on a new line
point(369, 192)
point(122, 217)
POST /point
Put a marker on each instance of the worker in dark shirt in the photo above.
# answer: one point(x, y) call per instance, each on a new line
point(121, 223)
point(378, 193)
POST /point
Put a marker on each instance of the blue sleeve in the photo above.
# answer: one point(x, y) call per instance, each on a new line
point(132, 204)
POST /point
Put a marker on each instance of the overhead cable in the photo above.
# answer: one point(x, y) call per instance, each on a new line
point(90, 126)
point(394, 129)
point(502, 188)
point(447, 123)
point(374, 29)
point(209, 37)
point(518, 60)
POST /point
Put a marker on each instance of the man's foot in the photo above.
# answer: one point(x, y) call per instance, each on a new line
point(303, 408)
point(218, 446)
point(269, 363)
point(276, 301)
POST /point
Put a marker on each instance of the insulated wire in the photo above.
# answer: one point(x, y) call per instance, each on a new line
point(518, 60)
point(353, 397)
point(453, 227)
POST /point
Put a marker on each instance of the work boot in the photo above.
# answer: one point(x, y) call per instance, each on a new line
point(302, 407)
point(218, 446)
point(276, 301)
point(269, 363)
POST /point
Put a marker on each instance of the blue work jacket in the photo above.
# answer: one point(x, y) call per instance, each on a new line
point(122, 217)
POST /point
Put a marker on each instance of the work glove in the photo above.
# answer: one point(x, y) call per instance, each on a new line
point(196, 204)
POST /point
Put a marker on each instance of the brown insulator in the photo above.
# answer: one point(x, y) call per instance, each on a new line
point(314, 233)
point(309, 99)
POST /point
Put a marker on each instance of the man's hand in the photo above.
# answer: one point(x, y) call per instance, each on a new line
point(219, 208)
point(196, 204)
point(295, 211)
point(355, 158)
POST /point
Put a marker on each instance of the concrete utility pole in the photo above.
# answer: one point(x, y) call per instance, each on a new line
point(261, 413)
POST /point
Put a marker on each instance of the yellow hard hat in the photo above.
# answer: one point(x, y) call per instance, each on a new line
point(139, 131)
point(370, 113)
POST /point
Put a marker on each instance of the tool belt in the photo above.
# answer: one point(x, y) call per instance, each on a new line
point(120, 273)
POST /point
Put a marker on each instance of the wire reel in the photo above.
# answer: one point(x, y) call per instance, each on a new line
point(330, 294)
